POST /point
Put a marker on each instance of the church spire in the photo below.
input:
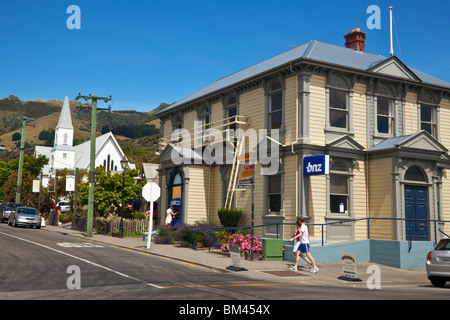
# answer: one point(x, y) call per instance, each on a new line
point(65, 120)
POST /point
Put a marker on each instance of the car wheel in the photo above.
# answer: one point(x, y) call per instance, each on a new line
point(38, 227)
point(438, 282)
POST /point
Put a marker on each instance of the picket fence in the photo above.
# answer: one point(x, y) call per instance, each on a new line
point(108, 227)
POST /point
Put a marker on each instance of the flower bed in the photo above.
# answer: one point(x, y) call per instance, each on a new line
point(245, 244)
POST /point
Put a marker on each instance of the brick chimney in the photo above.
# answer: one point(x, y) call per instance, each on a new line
point(355, 39)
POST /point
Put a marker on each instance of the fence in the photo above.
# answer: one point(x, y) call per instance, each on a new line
point(322, 226)
point(102, 226)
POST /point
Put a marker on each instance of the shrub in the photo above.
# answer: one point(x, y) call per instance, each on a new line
point(229, 218)
point(165, 236)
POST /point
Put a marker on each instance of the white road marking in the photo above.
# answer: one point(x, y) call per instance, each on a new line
point(84, 260)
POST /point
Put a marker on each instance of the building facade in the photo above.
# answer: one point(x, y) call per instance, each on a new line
point(378, 125)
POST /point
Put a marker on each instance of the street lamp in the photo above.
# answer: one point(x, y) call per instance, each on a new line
point(124, 164)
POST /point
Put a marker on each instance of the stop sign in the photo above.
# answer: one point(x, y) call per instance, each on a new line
point(151, 192)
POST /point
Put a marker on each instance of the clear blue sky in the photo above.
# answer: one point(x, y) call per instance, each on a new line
point(144, 52)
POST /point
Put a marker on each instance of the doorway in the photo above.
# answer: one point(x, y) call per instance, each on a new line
point(416, 213)
point(175, 188)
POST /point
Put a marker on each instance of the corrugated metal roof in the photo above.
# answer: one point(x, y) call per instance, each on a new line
point(315, 50)
point(390, 143)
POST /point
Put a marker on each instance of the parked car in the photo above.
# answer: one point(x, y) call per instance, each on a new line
point(438, 263)
point(26, 217)
point(64, 206)
point(6, 209)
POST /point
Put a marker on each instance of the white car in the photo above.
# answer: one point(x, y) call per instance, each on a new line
point(438, 263)
point(64, 206)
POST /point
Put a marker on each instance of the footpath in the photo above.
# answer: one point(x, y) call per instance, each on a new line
point(275, 271)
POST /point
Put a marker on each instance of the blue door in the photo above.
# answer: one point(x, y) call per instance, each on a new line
point(416, 213)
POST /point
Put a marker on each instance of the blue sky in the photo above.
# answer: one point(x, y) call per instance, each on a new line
point(147, 52)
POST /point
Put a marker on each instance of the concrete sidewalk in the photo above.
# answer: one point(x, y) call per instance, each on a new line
point(276, 271)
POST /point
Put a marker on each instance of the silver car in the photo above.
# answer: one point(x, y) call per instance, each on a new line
point(25, 217)
point(438, 263)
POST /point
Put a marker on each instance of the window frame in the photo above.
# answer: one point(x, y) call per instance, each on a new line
point(271, 93)
point(390, 116)
point(347, 164)
point(340, 83)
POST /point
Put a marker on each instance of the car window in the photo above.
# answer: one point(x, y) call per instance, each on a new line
point(63, 203)
point(444, 244)
point(27, 211)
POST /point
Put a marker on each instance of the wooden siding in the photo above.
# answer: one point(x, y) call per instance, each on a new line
point(198, 194)
point(411, 113)
point(290, 110)
point(381, 198)
point(290, 203)
point(360, 199)
point(317, 205)
point(317, 110)
point(360, 114)
point(445, 140)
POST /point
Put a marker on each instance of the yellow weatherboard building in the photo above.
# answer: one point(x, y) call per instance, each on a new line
point(376, 125)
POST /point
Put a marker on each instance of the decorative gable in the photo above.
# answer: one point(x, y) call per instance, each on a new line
point(346, 142)
point(394, 67)
point(423, 141)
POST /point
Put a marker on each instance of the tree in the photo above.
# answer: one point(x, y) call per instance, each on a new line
point(8, 176)
point(16, 136)
point(108, 189)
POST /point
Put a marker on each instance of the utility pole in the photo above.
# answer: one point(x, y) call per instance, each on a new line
point(21, 153)
point(94, 98)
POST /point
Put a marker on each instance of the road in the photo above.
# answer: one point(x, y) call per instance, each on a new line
point(37, 264)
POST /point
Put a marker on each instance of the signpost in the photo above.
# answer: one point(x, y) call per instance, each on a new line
point(150, 192)
point(348, 267)
point(235, 255)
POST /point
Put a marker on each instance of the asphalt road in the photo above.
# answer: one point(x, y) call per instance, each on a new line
point(42, 265)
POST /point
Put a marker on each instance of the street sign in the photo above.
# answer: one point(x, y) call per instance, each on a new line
point(247, 173)
point(246, 156)
point(70, 183)
point(151, 192)
point(246, 181)
point(248, 167)
point(245, 186)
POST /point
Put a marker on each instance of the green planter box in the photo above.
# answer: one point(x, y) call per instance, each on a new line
point(272, 249)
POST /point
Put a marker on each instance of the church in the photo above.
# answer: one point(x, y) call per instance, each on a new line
point(65, 155)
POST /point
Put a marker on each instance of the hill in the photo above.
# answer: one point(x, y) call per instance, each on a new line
point(134, 130)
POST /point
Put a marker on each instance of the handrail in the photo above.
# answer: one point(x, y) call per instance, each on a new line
point(322, 225)
point(205, 130)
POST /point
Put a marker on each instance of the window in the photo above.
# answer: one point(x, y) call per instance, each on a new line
point(415, 174)
point(339, 187)
point(205, 117)
point(178, 123)
point(231, 112)
point(276, 105)
point(338, 109)
point(274, 193)
point(428, 119)
point(385, 118)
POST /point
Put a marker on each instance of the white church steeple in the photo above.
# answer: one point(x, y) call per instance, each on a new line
point(64, 128)
point(63, 152)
